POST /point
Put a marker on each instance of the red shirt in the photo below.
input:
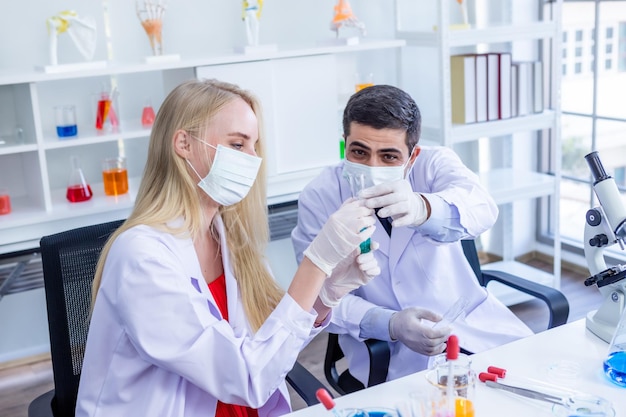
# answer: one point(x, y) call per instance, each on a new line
point(218, 289)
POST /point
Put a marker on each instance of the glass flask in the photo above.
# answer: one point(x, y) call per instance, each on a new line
point(77, 188)
point(147, 115)
point(615, 363)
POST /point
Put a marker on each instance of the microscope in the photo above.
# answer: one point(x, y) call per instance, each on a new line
point(605, 226)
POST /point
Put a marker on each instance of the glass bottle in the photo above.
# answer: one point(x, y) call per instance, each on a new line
point(77, 188)
point(615, 363)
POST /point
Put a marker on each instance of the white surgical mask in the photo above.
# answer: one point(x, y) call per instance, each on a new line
point(231, 176)
point(364, 176)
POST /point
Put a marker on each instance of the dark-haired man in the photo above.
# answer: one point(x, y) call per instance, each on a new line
point(427, 200)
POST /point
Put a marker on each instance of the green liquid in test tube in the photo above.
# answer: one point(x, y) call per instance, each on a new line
point(356, 185)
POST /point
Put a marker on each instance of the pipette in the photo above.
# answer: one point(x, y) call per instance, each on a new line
point(453, 313)
point(327, 401)
point(452, 353)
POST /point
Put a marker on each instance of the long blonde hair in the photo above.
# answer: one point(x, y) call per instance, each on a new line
point(168, 191)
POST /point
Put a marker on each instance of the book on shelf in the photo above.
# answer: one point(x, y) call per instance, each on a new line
point(524, 83)
point(504, 85)
point(481, 88)
point(463, 88)
point(514, 99)
point(537, 87)
point(493, 94)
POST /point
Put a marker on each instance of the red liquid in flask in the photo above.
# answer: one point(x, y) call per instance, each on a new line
point(147, 116)
point(78, 193)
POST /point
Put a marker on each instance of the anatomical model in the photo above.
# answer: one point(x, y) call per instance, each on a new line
point(82, 31)
point(344, 17)
point(150, 14)
point(251, 15)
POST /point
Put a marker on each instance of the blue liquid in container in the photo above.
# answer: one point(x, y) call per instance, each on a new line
point(615, 367)
point(67, 131)
point(365, 245)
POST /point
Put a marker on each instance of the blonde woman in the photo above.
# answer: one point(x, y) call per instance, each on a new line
point(187, 319)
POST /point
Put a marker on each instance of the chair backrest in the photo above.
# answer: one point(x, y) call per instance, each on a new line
point(69, 263)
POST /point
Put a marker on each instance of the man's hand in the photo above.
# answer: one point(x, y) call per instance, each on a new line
point(407, 327)
point(398, 201)
point(349, 275)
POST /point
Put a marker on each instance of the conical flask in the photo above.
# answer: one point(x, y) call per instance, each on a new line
point(77, 188)
point(615, 362)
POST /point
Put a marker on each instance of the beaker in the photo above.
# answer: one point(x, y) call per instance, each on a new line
point(65, 118)
point(464, 381)
point(115, 176)
point(77, 188)
point(615, 363)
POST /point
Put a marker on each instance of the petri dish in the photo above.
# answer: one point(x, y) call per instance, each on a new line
point(585, 406)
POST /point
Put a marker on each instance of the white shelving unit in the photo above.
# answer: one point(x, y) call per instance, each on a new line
point(514, 181)
point(36, 167)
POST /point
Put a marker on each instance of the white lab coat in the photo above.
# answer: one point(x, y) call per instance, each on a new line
point(415, 270)
point(157, 345)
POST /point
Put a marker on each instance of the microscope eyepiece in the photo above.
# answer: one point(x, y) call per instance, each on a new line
point(596, 167)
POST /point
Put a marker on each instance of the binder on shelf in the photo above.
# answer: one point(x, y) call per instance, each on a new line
point(493, 95)
point(537, 87)
point(514, 91)
point(504, 85)
point(524, 88)
point(481, 88)
point(463, 88)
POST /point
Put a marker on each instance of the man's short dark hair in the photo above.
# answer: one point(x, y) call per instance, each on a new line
point(384, 107)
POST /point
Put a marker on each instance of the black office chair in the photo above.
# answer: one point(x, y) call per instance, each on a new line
point(69, 263)
point(345, 383)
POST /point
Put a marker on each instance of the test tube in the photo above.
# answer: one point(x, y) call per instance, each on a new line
point(357, 183)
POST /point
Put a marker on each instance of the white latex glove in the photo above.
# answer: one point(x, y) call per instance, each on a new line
point(342, 233)
point(349, 275)
point(407, 327)
point(398, 201)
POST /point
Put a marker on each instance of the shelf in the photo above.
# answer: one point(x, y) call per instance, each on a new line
point(471, 132)
point(61, 208)
point(89, 136)
point(507, 185)
point(508, 295)
point(287, 187)
point(29, 76)
point(473, 36)
point(17, 149)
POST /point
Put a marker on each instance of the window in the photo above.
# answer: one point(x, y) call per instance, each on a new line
point(579, 35)
point(578, 68)
point(564, 37)
point(578, 52)
point(594, 118)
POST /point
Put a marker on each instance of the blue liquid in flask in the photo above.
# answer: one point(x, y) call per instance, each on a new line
point(615, 367)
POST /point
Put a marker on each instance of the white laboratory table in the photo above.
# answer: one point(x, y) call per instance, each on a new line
point(532, 357)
